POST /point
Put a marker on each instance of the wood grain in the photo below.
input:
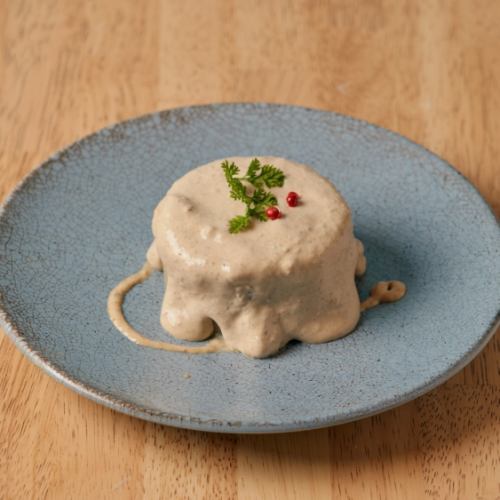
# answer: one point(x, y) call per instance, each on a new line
point(429, 70)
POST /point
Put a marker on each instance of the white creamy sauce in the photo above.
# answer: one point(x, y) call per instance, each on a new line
point(291, 278)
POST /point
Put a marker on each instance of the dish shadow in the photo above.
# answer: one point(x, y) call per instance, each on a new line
point(452, 419)
point(434, 423)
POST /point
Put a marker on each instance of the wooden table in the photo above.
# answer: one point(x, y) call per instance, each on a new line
point(427, 69)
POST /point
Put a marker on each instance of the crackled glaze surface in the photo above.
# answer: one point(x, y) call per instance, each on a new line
point(82, 222)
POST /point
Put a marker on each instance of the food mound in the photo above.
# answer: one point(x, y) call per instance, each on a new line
point(268, 255)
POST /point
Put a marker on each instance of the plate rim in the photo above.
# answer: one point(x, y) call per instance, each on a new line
point(220, 425)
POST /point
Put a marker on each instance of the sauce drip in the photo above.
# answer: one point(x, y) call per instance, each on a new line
point(115, 312)
point(384, 291)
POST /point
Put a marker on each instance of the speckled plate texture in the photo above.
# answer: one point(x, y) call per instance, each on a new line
point(81, 222)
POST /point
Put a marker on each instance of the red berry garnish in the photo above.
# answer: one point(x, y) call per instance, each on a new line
point(273, 213)
point(292, 199)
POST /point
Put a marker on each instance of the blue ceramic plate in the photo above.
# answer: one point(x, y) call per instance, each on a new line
point(81, 222)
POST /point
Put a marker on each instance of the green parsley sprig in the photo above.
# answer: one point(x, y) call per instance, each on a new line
point(260, 177)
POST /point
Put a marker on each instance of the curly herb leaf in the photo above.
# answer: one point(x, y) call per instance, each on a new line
point(239, 223)
point(258, 176)
point(253, 168)
point(238, 191)
point(267, 175)
point(230, 170)
point(259, 213)
point(272, 176)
